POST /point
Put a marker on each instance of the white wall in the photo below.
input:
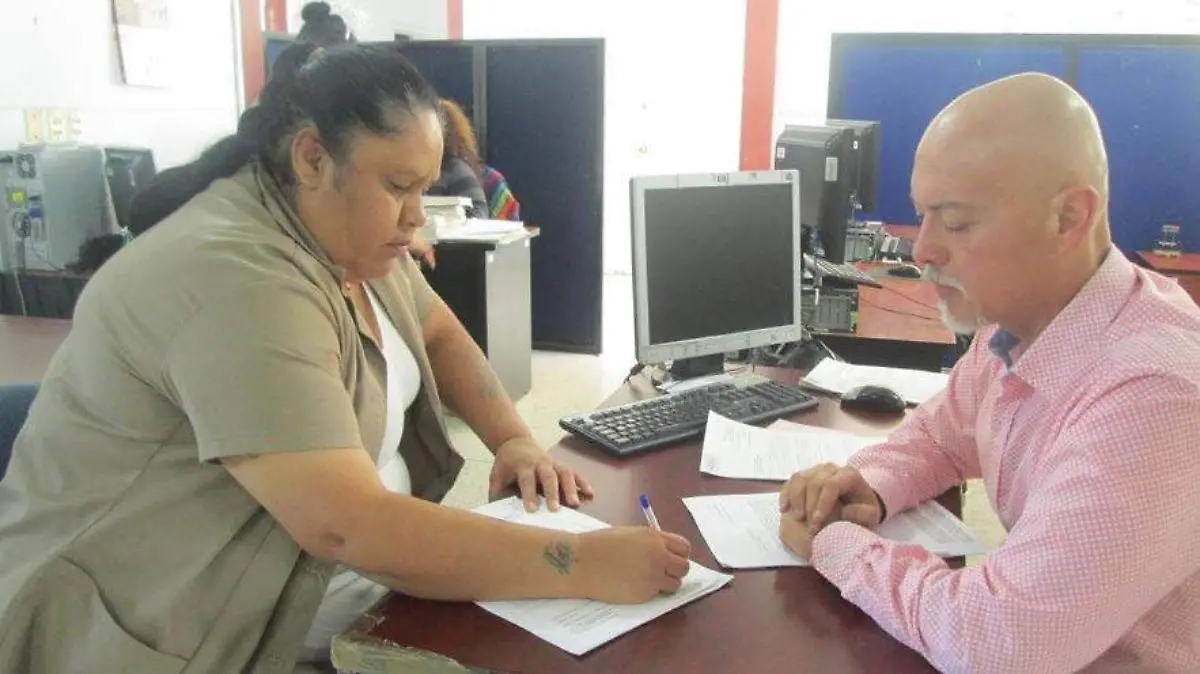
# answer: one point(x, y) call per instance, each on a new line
point(61, 54)
point(673, 86)
point(381, 19)
point(805, 27)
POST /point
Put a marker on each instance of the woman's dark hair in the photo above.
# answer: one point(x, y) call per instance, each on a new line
point(341, 91)
point(322, 27)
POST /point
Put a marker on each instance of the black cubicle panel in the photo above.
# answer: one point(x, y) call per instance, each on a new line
point(1144, 88)
point(546, 135)
point(450, 66)
point(538, 108)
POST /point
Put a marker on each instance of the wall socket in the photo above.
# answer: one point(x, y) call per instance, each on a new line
point(35, 126)
point(52, 125)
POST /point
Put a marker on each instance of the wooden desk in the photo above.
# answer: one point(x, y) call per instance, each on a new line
point(898, 325)
point(1185, 269)
point(764, 621)
point(46, 294)
point(26, 346)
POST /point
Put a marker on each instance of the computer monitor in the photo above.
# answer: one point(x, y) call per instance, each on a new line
point(716, 266)
point(865, 171)
point(824, 157)
point(129, 169)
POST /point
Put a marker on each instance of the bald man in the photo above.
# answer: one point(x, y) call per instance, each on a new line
point(1078, 405)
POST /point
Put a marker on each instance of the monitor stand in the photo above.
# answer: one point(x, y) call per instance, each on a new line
point(700, 366)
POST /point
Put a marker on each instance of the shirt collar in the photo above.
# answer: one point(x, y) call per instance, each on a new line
point(270, 194)
point(1076, 332)
point(1001, 344)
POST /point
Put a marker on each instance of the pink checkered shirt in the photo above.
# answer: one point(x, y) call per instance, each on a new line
point(1089, 445)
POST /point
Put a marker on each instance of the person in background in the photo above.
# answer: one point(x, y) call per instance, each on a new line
point(502, 203)
point(461, 172)
point(249, 406)
point(1078, 404)
point(322, 27)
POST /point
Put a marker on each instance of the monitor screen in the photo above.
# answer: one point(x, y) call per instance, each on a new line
point(129, 170)
point(718, 260)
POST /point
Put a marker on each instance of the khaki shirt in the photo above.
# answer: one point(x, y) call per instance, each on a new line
point(223, 331)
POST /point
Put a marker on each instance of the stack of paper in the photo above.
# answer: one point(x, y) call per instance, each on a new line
point(475, 229)
point(915, 386)
point(742, 531)
point(579, 625)
point(736, 450)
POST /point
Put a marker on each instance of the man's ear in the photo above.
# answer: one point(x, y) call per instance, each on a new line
point(310, 161)
point(1079, 210)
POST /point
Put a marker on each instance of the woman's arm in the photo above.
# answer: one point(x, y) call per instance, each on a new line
point(466, 380)
point(333, 504)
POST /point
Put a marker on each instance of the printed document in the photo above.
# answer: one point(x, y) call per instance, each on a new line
point(743, 530)
point(915, 386)
point(736, 450)
point(580, 625)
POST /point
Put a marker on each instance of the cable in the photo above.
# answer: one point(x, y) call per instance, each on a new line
point(16, 273)
point(898, 312)
point(910, 298)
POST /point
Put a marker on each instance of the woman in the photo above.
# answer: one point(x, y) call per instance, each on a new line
point(205, 447)
point(322, 27)
point(461, 172)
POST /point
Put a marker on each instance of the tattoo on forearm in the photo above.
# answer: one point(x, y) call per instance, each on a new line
point(560, 556)
point(489, 386)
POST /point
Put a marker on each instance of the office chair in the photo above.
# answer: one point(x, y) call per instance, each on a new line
point(14, 406)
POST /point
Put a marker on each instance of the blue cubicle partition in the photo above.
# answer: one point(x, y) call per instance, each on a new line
point(1145, 90)
point(1148, 102)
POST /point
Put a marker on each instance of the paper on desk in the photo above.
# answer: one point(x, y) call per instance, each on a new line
point(737, 450)
point(579, 625)
point(915, 386)
point(742, 530)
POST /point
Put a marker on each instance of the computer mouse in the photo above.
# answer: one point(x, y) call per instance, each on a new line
point(877, 399)
point(905, 271)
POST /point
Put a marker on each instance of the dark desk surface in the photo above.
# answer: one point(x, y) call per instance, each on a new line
point(764, 621)
point(26, 346)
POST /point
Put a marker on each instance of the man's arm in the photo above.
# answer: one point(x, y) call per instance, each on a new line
point(1112, 525)
point(934, 449)
point(466, 380)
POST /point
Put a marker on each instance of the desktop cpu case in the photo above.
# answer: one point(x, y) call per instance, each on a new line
point(55, 199)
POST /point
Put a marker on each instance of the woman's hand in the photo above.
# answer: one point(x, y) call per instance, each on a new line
point(630, 565)
point(421, 249)
point(522, 462)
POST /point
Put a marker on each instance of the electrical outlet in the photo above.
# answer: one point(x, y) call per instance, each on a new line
point(35, 125)
point(56, 126)
point(74, 125)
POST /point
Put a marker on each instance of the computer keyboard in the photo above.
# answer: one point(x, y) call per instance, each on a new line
point(844, 273)
point(668, 419)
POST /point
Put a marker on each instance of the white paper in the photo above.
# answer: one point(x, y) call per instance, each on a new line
point(736, 450)
point(915, 386)
point(579, 625)
point(742, 530)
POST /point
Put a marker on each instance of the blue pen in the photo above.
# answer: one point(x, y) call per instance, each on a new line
point(648, 511)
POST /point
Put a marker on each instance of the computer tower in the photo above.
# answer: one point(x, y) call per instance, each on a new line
point(824, 157)
point(866, 146)
point(55, 199)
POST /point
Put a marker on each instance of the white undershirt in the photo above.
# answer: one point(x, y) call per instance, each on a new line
point(349, 594)
point(403, 382)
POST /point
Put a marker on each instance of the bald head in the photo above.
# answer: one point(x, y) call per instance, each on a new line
point(1031, 132)
point(1013, 176)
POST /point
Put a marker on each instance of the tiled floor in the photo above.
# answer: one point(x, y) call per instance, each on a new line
point(568, 383)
